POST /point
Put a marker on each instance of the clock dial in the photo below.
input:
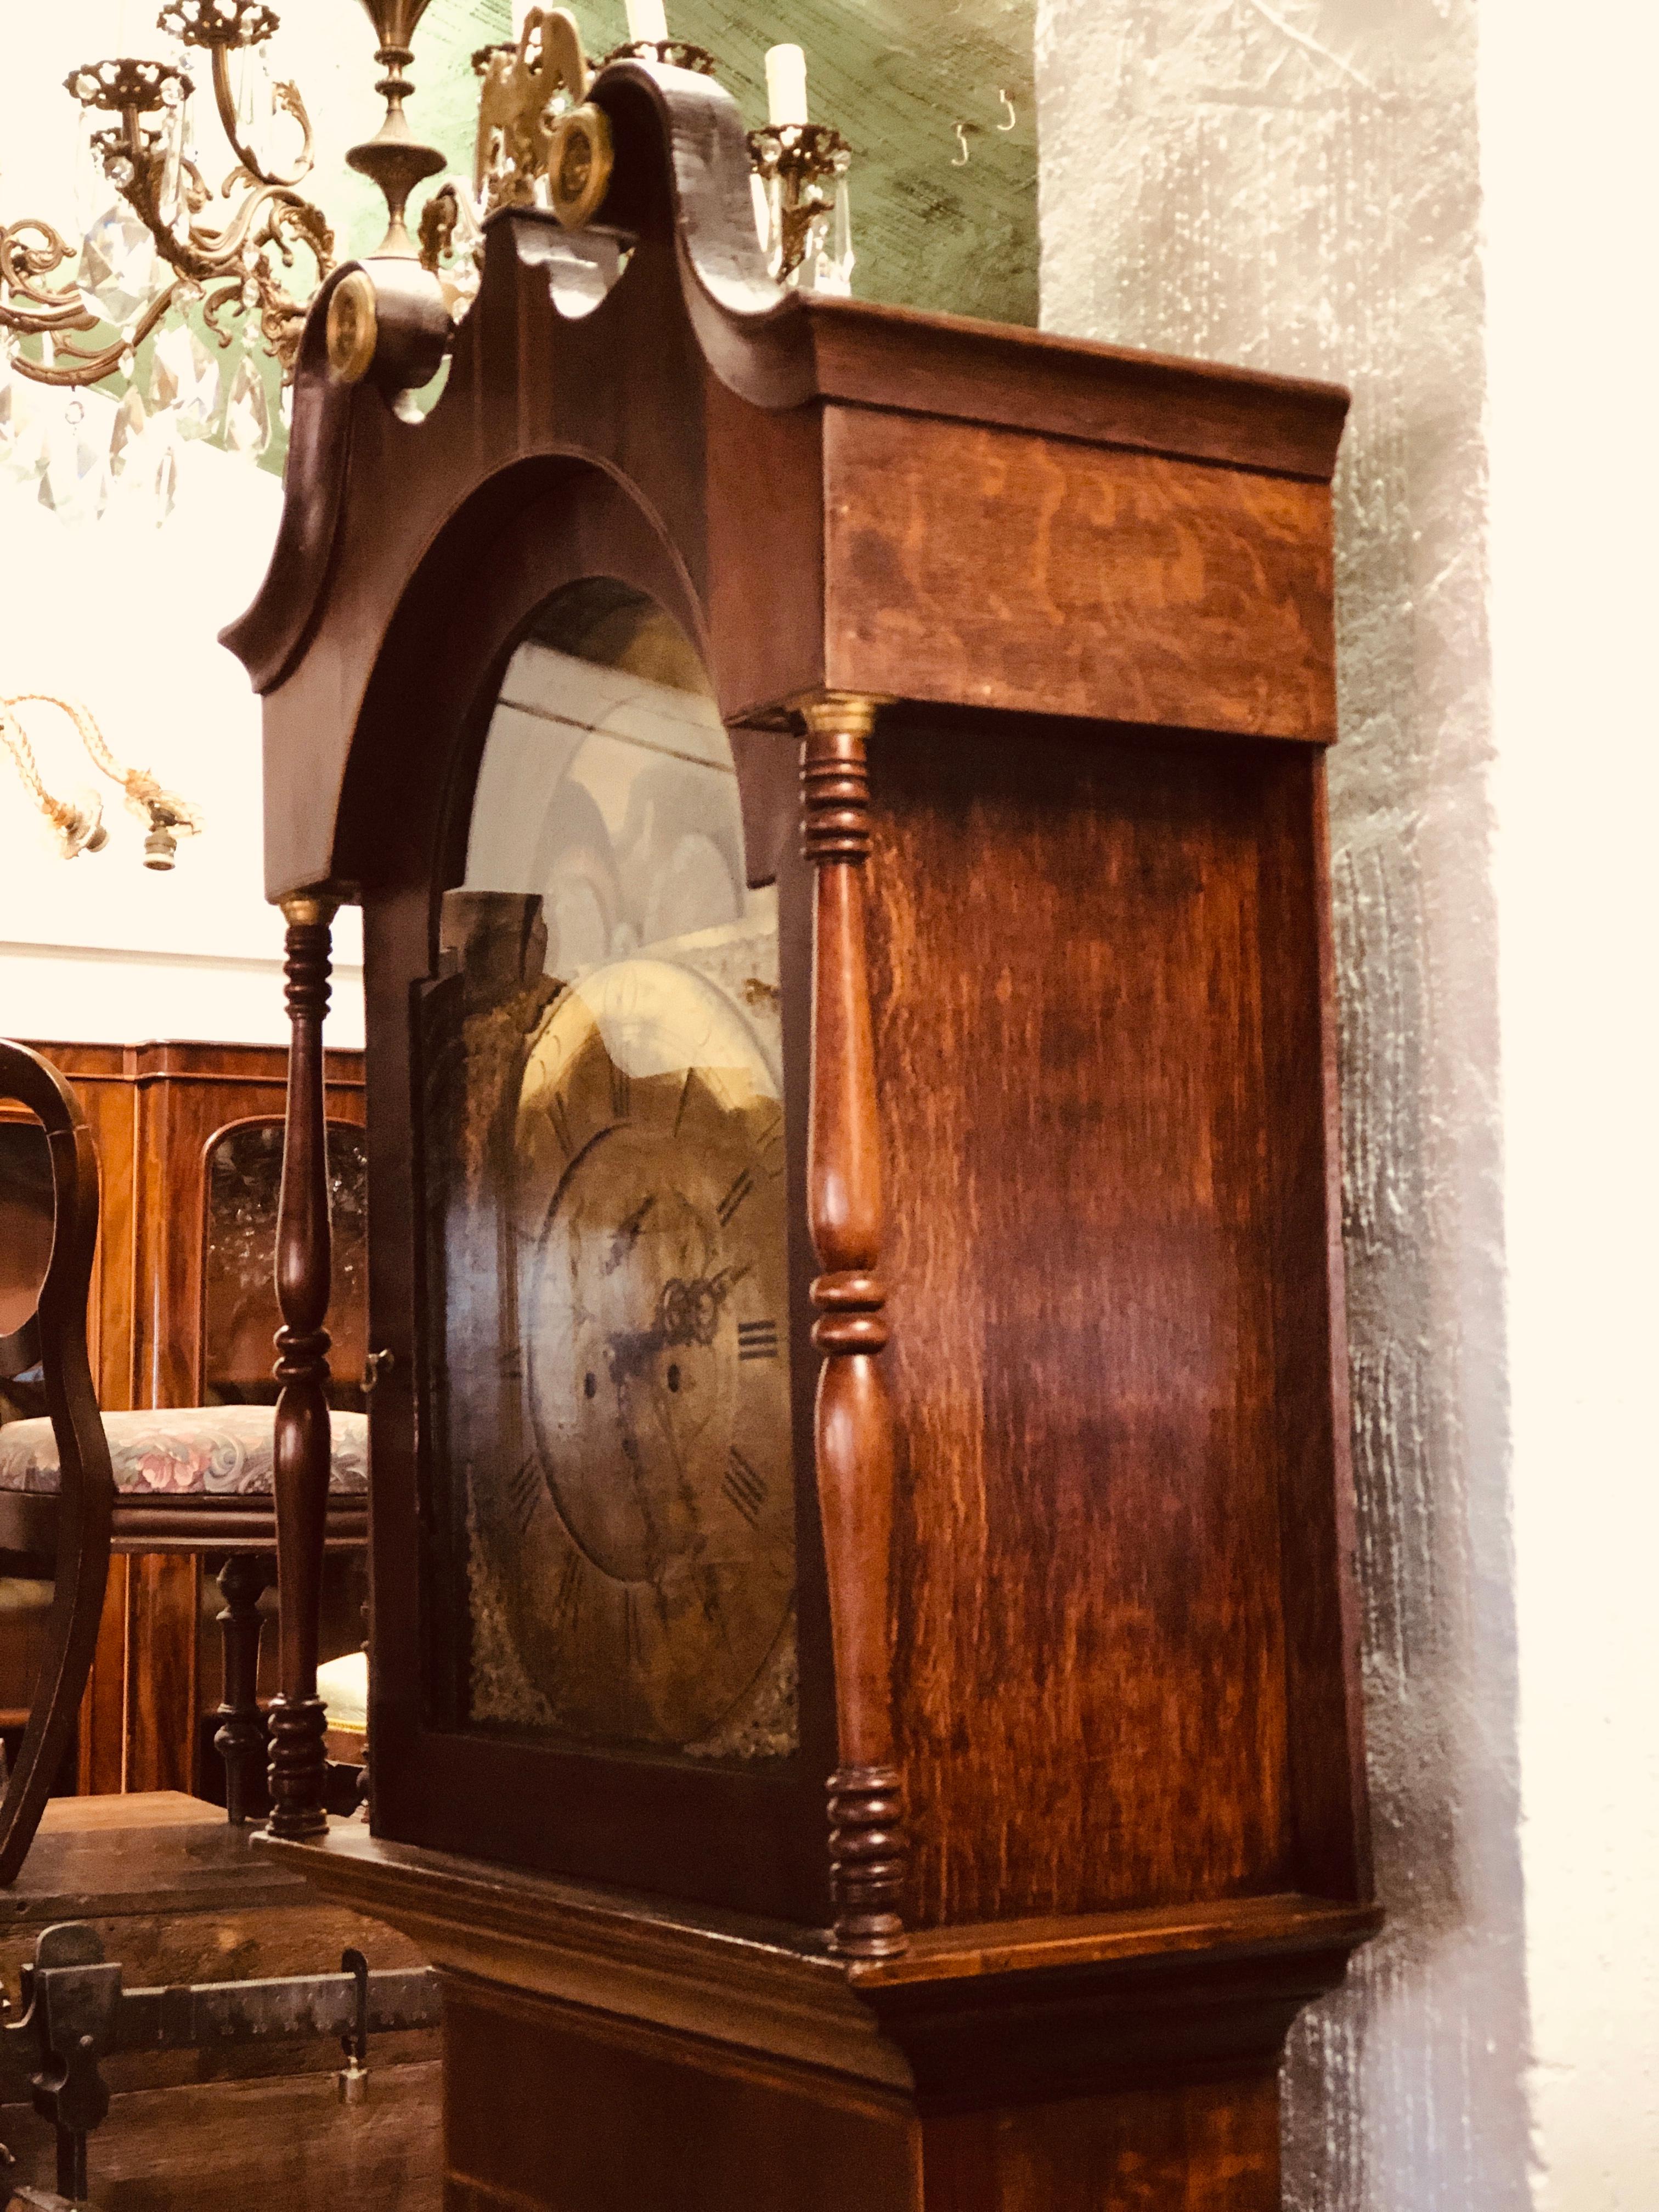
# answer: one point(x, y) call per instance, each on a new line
point(645, 1541)
point(606, 1354)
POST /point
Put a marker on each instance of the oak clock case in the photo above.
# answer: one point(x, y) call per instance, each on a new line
point(1006, 1894)
point(604, 1169)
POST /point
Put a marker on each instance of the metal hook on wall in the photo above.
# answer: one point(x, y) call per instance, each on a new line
point(961, 162)
point(1013, 120)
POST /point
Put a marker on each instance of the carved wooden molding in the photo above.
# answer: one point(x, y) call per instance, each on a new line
point(855, 1429)
point(304, 1264)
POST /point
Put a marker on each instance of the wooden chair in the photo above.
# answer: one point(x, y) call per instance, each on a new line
point(75, 1528)
point(74, 1486)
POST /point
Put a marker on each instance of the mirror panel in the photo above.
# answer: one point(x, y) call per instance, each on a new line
point(239, 1313)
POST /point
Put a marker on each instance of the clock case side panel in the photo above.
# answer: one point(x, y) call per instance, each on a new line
point(746, 1839)
point(1126, 1665)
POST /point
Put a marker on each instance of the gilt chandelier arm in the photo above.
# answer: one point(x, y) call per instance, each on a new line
point(224, 28)
point(236, 263)
point(29, 252)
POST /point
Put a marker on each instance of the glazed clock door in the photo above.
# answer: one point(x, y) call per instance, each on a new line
point(605, 1221)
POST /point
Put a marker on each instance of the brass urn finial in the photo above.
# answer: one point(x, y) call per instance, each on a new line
point(395, 158)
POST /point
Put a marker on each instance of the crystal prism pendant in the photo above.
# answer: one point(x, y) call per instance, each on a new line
point(839, 258)
point(144, 460)
point(145, 492)
point(74, 475)
point(827, 263)
point(118, 276)
point(170, 193)
point(183, 381)
point(131, 421)
point(23, 430)
point(248, 412)
point(256, 104)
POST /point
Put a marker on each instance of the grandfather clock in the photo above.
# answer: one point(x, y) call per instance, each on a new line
point(863, 1702)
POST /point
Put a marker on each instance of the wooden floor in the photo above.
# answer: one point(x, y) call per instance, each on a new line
point(177, 1896)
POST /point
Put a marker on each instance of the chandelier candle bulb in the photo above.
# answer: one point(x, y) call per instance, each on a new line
point(785, 86)
point(647, 25)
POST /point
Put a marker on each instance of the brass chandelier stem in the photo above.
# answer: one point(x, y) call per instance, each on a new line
point(395, 158)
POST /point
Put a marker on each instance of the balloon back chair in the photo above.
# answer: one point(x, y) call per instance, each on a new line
point(78, 1483)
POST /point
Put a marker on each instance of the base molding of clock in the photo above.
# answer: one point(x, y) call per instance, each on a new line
point(701, 2060)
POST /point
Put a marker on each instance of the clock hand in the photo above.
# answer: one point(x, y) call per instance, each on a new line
point(687, 1313)
point(628, 1234)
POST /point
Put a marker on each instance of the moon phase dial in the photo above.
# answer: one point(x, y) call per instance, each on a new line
point(642, 1546)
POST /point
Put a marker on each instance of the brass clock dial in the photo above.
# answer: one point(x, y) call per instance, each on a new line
point(643, 1543)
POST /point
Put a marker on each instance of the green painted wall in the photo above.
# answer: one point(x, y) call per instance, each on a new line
point(932, 228)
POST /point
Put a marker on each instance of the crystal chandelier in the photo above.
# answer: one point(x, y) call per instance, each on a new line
point(166, 256)
point(169, 262)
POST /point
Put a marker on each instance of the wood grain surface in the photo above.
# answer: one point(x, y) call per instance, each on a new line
point(604, 2114)
point(903, 362)
point(1081, 1138)
point(852, 1438)
point(224, 2146)
point(177, 1896)
point(1201, 2147)
point(998, 569)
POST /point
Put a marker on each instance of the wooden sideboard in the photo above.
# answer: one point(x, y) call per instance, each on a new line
point(158, 1112)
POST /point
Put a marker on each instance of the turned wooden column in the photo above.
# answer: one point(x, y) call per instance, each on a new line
point(854, 1430)
point(240, 1739)
point(298, 1759)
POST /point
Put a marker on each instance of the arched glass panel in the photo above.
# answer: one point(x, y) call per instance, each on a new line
point(606, 1227)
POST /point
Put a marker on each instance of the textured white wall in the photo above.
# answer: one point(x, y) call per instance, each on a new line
point(1298, 184)
point(1295, 187)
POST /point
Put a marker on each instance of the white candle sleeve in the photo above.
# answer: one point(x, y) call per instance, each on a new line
point(648, 25)
point(786, 84)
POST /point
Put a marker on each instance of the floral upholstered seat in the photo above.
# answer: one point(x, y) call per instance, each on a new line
point(202, 1451)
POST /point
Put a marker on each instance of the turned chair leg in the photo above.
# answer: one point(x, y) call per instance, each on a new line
point(241, 1737)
